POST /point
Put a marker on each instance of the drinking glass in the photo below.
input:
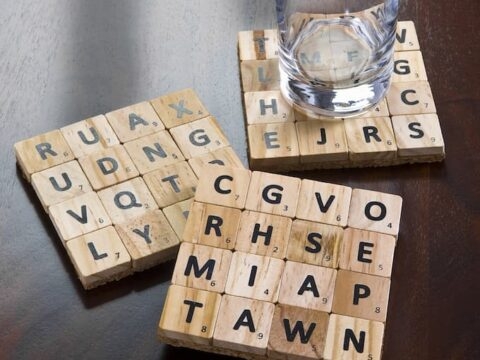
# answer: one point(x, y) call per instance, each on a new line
point(336, 56)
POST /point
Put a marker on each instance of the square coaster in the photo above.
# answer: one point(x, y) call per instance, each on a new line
point(281, 138)
point(303, 279)
point(118, 187)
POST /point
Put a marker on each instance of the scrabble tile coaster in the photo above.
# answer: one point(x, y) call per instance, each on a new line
point(272, 266)
point(118, 187)
point(403, 128)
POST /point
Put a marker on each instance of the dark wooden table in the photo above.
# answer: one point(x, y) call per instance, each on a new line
point(61, 62)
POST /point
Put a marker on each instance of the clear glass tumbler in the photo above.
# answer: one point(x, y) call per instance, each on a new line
point(336, 56)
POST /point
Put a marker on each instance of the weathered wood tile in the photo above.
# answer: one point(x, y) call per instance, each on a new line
point(177, 215)
point(408, 66)
point(260, 75)
point(257, 44)
point(224, 157)
point(264, 107)
point(406, 37)
point(407, 98)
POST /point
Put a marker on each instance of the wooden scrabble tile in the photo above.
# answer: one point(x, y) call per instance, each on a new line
point(243, 325)
point(254, 276)
point(177, 215)
point(199, 137)
point(367, 252)
point(42, 152)
point(172, 183)
point(353, 338)
point(324, 202)
point(149, 239)
point(418, 135)
point(322, 141)
point(134, 121)
point(78, 216)
point(263, 107)
point(260, 75)
point(273, 144)
point(258, 44)
point(202, 267)
point(297, 333)
point(406, 98)
point(408, 66)
point(315, 243)
point(99, 257)
point(370, 139)
point(189, 315)
point(127, 200)
point(90, 135)
point(153, 151)
point(108, 167)
point(60, 183)
point(263, 234)
point(273, 194)
point(223, 186)
point(308, 286)
point(212, 225)
point(224, 157)
point(179, 108)
point(375, 211)
point(362, 296)
point(406, 37)
point(379, 110)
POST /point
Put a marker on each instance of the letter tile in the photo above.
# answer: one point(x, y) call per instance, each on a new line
point(99, 257)
point(177, 215)
point(407, 98)
point(42, 152)
point(406, 37)
point(263, 107)
point(258, 44)
point(190, 315)
point(202, 267)
point(223, 157)
point(260, 75)
point(408, 66)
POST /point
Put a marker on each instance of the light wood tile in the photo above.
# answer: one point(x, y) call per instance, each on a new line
point(297, 333)
point(99, 257)
point(212, 225)
point(406, 37)
point(370, 139)
point(179, 108)
point(324, 202)
point(223, 186)
point(273, 144)
point(78, 216)
point(254, 276)
point(263, 234)
point(258, 44)
point(172, 183)
point(108, 167)
point(406, 98)
point(260, 75)
point(225, 157)
point(199, 137)
point(360, 295)
point(418, 135)
point(89, 135)
point(243, 325)
point(263, 107)
point(273, 193)
point(202, 267)
point(315, 243)
point(367, 252)
point(353, 338)
point(60, 183)
point(375, 211)
point(379, 110)
point(153, 152)
point(134, 121)
point(322, 140)
point(149, 239)
point(177, 215)
point(189, 315)
point(308, 286)
point(408, 66)
point(42, 152)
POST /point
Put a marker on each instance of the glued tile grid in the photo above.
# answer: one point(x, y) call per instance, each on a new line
point(281, 138)
point(118, 187)
point(313, 281)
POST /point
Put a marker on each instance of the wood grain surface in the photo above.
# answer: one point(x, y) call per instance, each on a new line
point(64, 61)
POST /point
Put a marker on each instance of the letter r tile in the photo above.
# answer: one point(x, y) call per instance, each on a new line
point(189, 315)
point(202, 267)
